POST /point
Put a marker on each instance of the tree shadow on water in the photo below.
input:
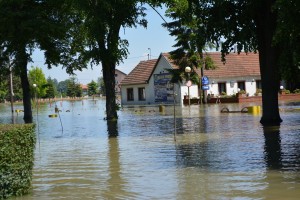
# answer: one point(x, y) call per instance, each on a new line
point(273, 151)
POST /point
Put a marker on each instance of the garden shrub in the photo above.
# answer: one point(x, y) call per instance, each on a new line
point(17, 143)
point(297, 91)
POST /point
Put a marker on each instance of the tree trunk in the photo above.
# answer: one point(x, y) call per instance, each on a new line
point(109, 82)
point(22, 66)
point(268, 59)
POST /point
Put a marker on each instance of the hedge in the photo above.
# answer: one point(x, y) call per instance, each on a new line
point(17, 143)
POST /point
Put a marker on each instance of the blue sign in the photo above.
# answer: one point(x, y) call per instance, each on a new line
point(205, 87)
point(205, 80)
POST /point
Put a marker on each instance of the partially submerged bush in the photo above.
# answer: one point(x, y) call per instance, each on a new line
point(17, 144)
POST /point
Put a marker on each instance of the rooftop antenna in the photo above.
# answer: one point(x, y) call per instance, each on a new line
point(149, 55)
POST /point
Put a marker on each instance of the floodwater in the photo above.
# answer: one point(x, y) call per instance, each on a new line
point(215, 155)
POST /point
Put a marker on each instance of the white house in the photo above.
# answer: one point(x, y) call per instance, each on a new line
point(149, 82)
point(238, 72)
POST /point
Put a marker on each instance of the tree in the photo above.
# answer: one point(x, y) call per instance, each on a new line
point(37, 77)
point(100, 30)
point(92, 88)
point(191, 43)
point(101, 85)
point(29, 24)
point(288, 34)
point(4, 85)
point(250, 26)
point(73, 88)
point(50, 90)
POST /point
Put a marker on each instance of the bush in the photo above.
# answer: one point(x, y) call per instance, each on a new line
point(296, 91)
point(17, 144)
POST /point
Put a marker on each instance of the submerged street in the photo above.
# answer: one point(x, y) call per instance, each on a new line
point(215, 156)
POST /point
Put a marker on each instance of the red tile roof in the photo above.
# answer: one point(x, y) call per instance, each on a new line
point(141, 73)
point(236, 65)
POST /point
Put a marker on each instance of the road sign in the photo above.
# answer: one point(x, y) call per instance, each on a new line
point(205, 80)
point(205, 87)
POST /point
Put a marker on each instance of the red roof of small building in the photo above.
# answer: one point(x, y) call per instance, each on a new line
point(84, 87)
point(236, 65)
point(141, 73)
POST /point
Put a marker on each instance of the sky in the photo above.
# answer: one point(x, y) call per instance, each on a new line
point(153, 40)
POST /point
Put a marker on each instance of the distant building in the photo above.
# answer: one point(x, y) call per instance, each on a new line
point(85, 89)
point(119, 76)
point(149, 81)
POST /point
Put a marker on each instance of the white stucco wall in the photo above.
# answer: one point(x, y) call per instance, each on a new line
point(161, 67)
point(232, 85)
point(136, 100)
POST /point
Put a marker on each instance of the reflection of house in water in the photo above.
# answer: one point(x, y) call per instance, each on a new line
point(149, 81)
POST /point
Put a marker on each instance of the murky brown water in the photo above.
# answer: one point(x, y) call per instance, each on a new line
point(215, 156)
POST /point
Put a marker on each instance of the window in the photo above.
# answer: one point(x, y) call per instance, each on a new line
point(130, 94)
point(142, 96)
point(222, 88)
point(258, 84)
point(241, 85)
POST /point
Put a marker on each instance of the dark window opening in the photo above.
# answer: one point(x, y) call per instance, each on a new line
point(130, 94)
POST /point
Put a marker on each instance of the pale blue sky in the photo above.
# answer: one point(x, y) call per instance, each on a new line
point(155, 37)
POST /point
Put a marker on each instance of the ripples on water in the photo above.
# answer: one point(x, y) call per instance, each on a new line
point(215, 156)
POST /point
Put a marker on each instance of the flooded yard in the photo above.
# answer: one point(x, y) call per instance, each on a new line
point(215, 156)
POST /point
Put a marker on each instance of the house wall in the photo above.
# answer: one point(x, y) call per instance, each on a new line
point(159, 90)
point(194, 92)
point(119, 76)
point(136, 100)
point(232, 85)
point(154, 88)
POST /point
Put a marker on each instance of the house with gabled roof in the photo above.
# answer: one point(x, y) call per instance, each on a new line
point(149, 82)
point(237, 72)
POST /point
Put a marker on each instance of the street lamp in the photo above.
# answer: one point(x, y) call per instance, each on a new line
point(188, 83)
point(35, 85)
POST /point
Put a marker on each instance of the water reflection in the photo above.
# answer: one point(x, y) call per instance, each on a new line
point(273, 153)
point(215, 155)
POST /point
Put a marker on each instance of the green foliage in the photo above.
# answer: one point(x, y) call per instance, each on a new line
point(92, 88)
point(50, 92)
point(296, 91)
point(4, 85)
point(73, 88)
point(36, 76)
point(17, 143)
point(62, 87)
point(242, 92)
point(51, 88)
point(191, 41)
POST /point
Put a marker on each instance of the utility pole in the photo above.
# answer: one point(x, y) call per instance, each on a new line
point(11, 93)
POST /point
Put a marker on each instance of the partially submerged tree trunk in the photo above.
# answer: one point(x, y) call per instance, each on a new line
point(22, 67)
point(268, 59)
point(109, 82)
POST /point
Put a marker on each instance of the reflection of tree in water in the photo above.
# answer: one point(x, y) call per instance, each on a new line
point(116, 184)
point(273, 153)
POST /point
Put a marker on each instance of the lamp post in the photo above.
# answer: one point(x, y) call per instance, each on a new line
point(189, 83)
point(11, 93)
point(34, 85)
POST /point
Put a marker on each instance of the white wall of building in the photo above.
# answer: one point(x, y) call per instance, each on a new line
point(136, 100)
point(232, 85)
